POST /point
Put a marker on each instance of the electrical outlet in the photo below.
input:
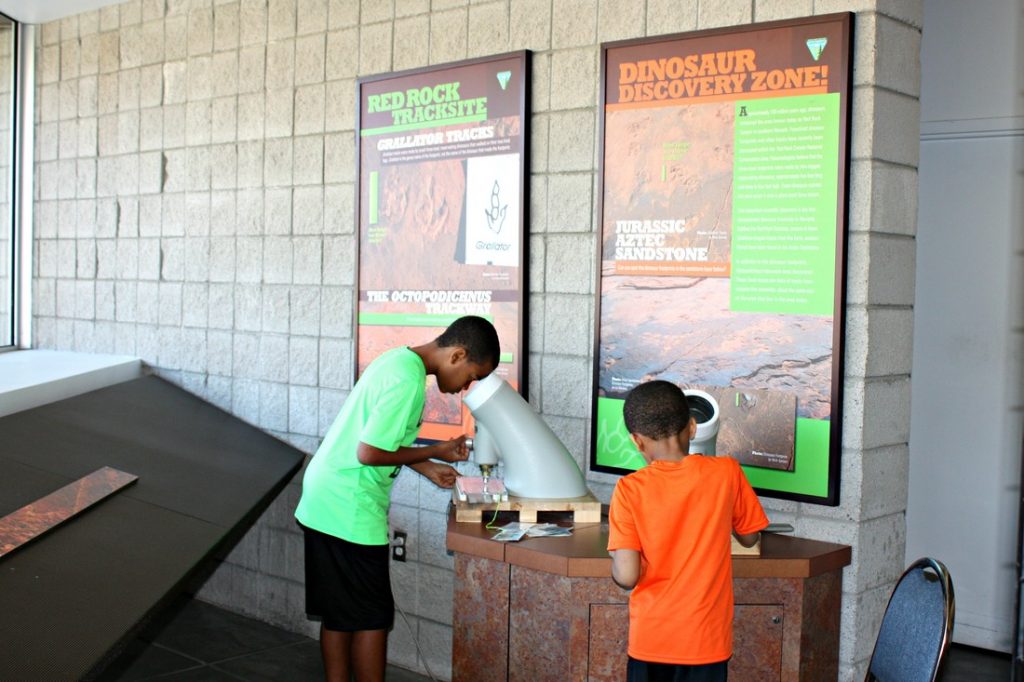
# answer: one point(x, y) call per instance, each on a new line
point(398, 547)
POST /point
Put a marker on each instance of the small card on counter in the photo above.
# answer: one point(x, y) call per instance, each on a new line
point(513, 532)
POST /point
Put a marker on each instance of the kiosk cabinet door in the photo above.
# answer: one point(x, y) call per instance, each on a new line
point(756, 643)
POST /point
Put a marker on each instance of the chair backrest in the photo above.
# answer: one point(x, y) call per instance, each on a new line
point(916, 627)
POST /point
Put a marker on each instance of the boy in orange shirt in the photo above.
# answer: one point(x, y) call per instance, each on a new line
point(669, 537)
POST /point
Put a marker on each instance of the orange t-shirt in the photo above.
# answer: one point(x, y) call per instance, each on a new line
point(680, 516)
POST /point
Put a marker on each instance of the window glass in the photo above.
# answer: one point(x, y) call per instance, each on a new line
point(6, 181)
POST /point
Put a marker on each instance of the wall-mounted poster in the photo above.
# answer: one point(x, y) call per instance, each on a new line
point(723, 227)
point(441, 209)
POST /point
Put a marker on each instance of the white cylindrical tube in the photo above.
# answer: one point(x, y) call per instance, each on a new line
point(536, 463)
point(704, 409)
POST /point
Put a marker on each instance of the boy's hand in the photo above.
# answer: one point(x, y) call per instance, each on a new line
point(441, 475)
point(454, 450)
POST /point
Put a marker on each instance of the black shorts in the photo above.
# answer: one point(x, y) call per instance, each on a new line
point(348, 586)
point(643, 671)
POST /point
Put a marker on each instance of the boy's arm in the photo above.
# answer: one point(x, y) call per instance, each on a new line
point(441, 475)
point(747, 539)
point(625, 567)
point(454, 450)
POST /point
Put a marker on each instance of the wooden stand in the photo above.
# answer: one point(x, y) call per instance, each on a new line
point(586, 509)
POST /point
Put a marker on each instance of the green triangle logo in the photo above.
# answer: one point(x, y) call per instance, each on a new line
point(816, 46)
point(503, 78)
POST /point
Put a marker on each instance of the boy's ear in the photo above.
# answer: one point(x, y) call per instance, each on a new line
point(693, 428)
point(638, 441)
point(456, 354)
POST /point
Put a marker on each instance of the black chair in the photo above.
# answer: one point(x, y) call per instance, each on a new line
point(916, 627)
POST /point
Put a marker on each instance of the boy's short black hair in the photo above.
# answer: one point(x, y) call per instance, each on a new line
point(656, 409)
point(477, 336)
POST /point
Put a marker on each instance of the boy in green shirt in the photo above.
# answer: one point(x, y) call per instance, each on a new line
point(346, 489)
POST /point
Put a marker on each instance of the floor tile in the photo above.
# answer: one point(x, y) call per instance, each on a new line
point(297, 662)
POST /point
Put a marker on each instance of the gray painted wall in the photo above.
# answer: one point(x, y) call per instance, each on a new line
point(968, 401)
point(195, 169)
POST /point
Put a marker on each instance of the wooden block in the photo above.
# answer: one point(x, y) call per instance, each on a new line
point(586, 509)
point(740, 550)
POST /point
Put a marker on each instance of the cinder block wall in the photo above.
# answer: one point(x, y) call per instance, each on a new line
point(195, 170)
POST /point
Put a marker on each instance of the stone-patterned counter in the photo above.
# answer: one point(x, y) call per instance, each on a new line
point(547, 609)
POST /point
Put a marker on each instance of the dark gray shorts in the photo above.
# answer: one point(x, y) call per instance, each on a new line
point(348, 586)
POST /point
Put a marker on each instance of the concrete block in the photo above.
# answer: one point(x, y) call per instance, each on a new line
point(223, 163)
point(226, 19)
point(619, 19)
point(280, 65)
point(277, 261)
point(219, 351)
point(303, 356)
point(342, 13)
point(174, 126)
point(281, 15)
point(47, 141)
point(275, 308)
point(249, 260)
point(222, 212)
point(574, 78)
point(488, 29)
point(569, 264)
point(311, 16)
point(878, 556)
point(858, 629)
point(150, 215)
point(175, 37)
point(530, 25)
point(222, 259)
point(151, 131)
point(886, 411)
point(172, 257)
point(224, 74)
point(248, 308)
point(245, 400)
point(106, 259)
point(565, 386)
point(724, 13)
point(175, 82)
point(339, 261)
point(884, 478)
point(127, 259)
point(305, 310)
point(574, 24)
point(252, 22)
point(375, 48)
point(70, 54)
point(67, 135)
point(150, 172)
point(434, 588)
point(432, 538)
point(198, 121)
point(342, 53)
point(303, 410)
point(44, 297)
point(65, 298)
point(407, 8)
point(273, 358)
point(249, 169)
point(170, 304)
point(125, 301)
point(308, 254)
point(278, 211)
point(195, 308)
point(67, 225)
point(335, 364)
point(245, 354)
point(568, 324)
point(251, 117)
point(436, 643)
point(569, 203)
point(448, 36)
point(152, 43)
point(330, 405)
point(308, 152)
point(67, 93)
point(339, 158)
point(571, 141)
point(888, 127)
point(129, 88)
point(879, 341)
point(131, 13)
point(200, 30)
point(308, 210)
point(66, 180)
point(175, 215)
point(197, 169)
point(251, 68)
point(147, 303)
point(132, 47)
point(149, 259)
point(310, 55)
point(200, 77)
point(277, 162)
point(340, 116)
point(336, 317)
point(175, 170)
point(538, 256)
point(411, 50)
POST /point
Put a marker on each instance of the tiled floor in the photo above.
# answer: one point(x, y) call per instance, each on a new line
point(198, 642)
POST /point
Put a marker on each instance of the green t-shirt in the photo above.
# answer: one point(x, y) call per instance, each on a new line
point(341, 496)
